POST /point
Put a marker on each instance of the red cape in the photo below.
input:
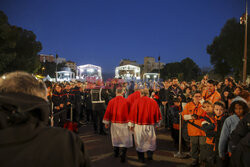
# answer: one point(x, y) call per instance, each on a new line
point(145, 111)
point(133, 97)
point(117, 110)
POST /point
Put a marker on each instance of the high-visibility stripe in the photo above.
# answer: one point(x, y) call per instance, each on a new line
point(98, 101)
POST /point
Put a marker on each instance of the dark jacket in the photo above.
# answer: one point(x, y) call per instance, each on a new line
point(174, 116)
point(174, 93)
point(228, 89)
point(99, 99)
point(68, 97)
point(208, 128)
point(87, 99)
point(240, 141)
point(163, 94)
point(57, 98)
point(157, 98)
point(77, 93)
point(25, 140)
point(220, 122)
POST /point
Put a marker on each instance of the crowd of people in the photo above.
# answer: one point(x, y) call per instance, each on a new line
point(210, 112)
point(215, 120)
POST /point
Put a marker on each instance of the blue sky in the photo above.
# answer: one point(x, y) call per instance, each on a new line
point(102, 32)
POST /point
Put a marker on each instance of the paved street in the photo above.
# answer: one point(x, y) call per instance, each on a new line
point(101, 154)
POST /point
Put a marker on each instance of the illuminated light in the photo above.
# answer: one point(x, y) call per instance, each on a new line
point(147, 76)
point(123, 71)
point(90, 70)
point(155, 76)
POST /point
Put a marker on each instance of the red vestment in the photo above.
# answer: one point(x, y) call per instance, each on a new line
point(117, 114)
point(145, 111)
point(117, 110)
point(132, 98)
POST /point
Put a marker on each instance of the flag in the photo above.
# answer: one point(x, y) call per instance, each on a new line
point(159, 58)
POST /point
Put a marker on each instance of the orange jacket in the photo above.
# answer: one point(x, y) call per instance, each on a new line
point(213, 97)
point(191, 109)
point(212, 120)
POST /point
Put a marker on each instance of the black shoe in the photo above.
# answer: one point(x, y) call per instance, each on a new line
point(116, 155)
point(123, 159)
point(195, 162)
point(142, 160)
point(150, 155)
point(103, 133)
point(116, 152)
point(141, 157)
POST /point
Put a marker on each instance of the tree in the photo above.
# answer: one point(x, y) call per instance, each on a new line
point(226, 51)
point(18, 48)
point(172, 70)
point(190, 69)
point(186, 70)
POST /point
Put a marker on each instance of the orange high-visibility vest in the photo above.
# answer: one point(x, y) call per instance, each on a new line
point(213, 97)
point(191, 109)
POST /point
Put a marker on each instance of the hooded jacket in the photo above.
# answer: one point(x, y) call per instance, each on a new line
point(25, 140)
point(240, 140)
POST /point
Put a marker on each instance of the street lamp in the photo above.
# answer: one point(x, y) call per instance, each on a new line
point(159, 58)
point(243, 20)
point(56, 66)
point(43, 68)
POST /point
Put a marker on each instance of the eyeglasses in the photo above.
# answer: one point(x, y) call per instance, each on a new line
point(197, 96)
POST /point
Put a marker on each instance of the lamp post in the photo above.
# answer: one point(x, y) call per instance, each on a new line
point(159, 58)
point(244, 21)
point(56, 66)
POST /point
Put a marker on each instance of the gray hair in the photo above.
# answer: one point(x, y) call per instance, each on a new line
point(144, 92)
point(22, 82)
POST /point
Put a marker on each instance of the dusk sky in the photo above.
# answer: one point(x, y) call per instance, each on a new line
point(102, 32)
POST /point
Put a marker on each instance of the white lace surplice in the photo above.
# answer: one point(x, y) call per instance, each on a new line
point(145, 138)
point(121, 135)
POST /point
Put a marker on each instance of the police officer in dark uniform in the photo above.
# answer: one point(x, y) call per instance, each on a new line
point(98, 108)
point(69, 99)
point(59, 113)
point(88, 105)
point(77, 101)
